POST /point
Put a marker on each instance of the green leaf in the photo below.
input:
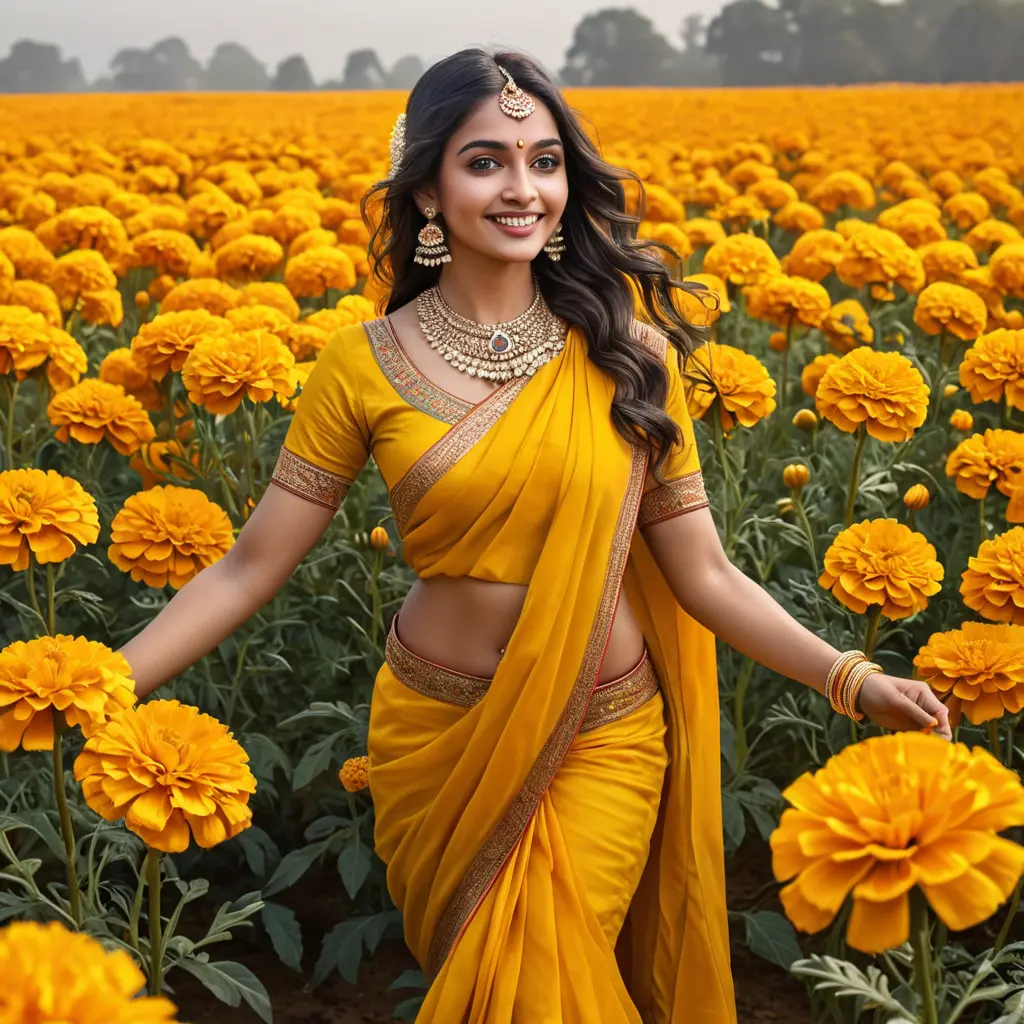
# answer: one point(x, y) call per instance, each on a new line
point(342, 948)
point(354, 864)
point(315, 760)
point(408, 1009)
point(408, 979)
point(284, 932)
point(230, 982)
point(773, 938)
point(259, 849)
point(733, 823)
point(292, 867)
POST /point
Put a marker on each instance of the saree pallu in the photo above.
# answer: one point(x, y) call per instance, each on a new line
point(483, 810)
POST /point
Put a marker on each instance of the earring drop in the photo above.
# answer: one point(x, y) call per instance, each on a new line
point(431, 251)
point(556, 244)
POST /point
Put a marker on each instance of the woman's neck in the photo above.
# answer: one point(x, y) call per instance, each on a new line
point(488, 293)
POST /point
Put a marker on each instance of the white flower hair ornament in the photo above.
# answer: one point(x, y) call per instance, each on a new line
point(396, 146)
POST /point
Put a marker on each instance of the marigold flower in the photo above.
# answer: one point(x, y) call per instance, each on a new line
point(993, 366)
point(741, 260)
point(256, 364)
point(882, 562)
point(883, 390)
point(166, 251)
point(875, 256)
point(745, 389)
point(248, 258)
point(916, 221)
point(355, 309)
point(1007, 268)
point(990, 235)
point(945, 307)
point(810, 376)
point(84, 680)
point(916, 497)
point(102, 307)
point(788, 301)
point(798, 216)
point(271, 293)
point(962, 420)
point(995, 457)
point(30, 258)
point(43, 513)
point(208, 211)
point(93, 411)
point(993, 583)
point(36, 296)
point(263, 318)
point(980, 665)
point(207, 293)
point(163, 345)
point(290, 221)
point(52, 974)
point(161, 462)
point(85, 227)
point(843, 188)
point(312, 272)
point(24, 339)
point(795, 476)
point(78, 273)
point(947, 261)
point(815, 255)
point(849, 831)
point(166, 768)
point(167, 535)
point(804, 419)
point(702, 306)
point(310, 240)
point(967, 209)
point(118, 367)
point(847, 325)
point(66, 360)
point(950, 390)
point(355, 774)
point(703, 232)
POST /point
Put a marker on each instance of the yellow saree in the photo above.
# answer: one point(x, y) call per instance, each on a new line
point(535, 838)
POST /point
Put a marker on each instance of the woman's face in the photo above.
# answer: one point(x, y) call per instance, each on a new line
point(500, 199)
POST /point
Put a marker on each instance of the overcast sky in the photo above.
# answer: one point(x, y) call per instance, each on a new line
point(323, 30)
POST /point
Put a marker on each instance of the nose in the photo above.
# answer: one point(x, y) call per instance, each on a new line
point(519, 188)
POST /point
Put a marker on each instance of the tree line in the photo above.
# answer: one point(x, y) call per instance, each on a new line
point(748, 43)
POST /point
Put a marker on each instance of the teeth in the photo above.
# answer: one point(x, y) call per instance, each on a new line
point(518, 222)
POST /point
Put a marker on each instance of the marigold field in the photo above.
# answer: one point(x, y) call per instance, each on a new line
point(170, 267)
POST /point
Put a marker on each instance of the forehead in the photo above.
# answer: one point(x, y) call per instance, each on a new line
point(488, 122)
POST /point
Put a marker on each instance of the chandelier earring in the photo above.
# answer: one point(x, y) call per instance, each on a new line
point(556, 244)
point(431, 251)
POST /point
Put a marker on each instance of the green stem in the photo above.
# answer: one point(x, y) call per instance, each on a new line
point(250, 449)
point(982, 528)
point(858, 453)
point(785, 361)
point(742, 682)
point(871, 631)
point(30, 586)
point(719, 433)
point(1011, 913)
point(12, 400)
point(798, 503)
point(920, 937)
point(375, 571)
point(172, 426)
point(993, 738)
point(133, 921)
point(51, 601)
point(911, 522)
point(156, 956)
point(66, 828)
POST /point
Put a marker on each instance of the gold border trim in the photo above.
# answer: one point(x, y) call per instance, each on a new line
point(402, 374)
point(651, 339)
point(310, 481)
point(502, 840)
point(675, 498)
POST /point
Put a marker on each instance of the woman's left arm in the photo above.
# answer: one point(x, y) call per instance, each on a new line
point(743, 614)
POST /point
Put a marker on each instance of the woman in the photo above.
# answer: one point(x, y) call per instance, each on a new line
point(544, 756)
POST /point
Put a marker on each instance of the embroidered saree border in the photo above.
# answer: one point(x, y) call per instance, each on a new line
point(310, 481)
point(671, 499)
point(502, 840)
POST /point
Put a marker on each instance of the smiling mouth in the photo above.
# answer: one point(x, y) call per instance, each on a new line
point(522, 221)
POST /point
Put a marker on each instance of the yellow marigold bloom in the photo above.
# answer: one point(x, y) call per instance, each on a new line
point(980, 665)
point(741, 260)
point(93, 411)
point(102, 307)
point(745, 389)
point(142, 299)
point(993, 366)
point(703, 232)
point(947, 261)
point(263, 318)
point(160, 462)
point(66, 361)
point(118, 367)
point(876, 256)
point(990, 235)
point(302, 372)
point(883, 390)
point(798, 216)
point(778, 195)
point(741, 211)
point(777, 341)
point(949, 390)
point(85, 227)
point(256, 365)
point(882, 562)
point(308, 338)
point(916, 497)
point(995, 457)
point(24, 339)
point(29, 257)
point(355, 309)
point(208, 211)
point(961, 420)
point(78, 273)
point(952, 308)
point(248, 258)
point(290, 221)
point(310, 240)
point(810, 376)
point(163, 345)
point(207, 293)
point(84, 680)
point(166, 535)
point(270, 293)
point(166, 768)
point(848, 325)
point(789, 301)
point(35, 208)
point(352, 231)
point(166, 251)
point(126, 204)
point(1007, 268)
point(815, 255)
point(916, 221)
point(805, 419)
point(355, 773)
point(946, 182)
point(43, 513)
point(849, 830)
point(967, 209)
point(993, 583)
point(312, 272)
point(843, 188)
point(38, 297)
point(795, 476)
point(57, 975)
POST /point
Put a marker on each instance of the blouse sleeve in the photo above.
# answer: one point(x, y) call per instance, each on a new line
point(683, 489)
point(328, 441)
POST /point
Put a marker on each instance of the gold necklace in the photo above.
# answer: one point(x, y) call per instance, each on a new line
point(515, 348)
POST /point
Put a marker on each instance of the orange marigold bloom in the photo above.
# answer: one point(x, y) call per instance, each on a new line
point(805, 419)
point(24, 339)
point(1007, 268)
point(961, 420)
point(38, 297)
point(207, 293)
point(167, 535)
point(263, 318)
point(102, 307)
point(703, 232)
point(29, 257)
point(947, 183)
point(355, 309)
point(66, 361)
point(882, 562)
point(995, 457)
point(167, 768)
point(980, 665)
point(811, 375)
point(355, 774)
point(79, 272)
point(312, 272)
point(45, 514)
point(308, 338)
point(208, 211)
point(945, 307)
point(798, 216)
point(164, 461)
point(290, 221)
point(847, 325)
point(876, 256)
point(84, 680)
point(166, 251)
point(789, 301)
point(967, 209)
point(57, 975)
point(745, 389)
point(916, 221)
point(916, 497)
point(85, 227)
point(118, 367)
point(256, 365)
point(993, 583)
point(310, 240)
point(270, 293)
point(993, 366)
point(93, 411)
point(947, 261)
point(990, 235)
point(163, 345)
point(883, 390)
point(248, 258)
point(780, 195)
point(741, 260)
point(815, 255)
point(843, 188)
point(849, 831)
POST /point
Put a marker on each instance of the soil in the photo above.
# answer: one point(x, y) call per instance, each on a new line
point(764, 993)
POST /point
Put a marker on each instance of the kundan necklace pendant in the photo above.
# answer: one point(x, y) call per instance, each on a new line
point(500, 342)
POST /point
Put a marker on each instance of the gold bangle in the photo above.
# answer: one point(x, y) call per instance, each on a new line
point(837, 674)
point(854, 683)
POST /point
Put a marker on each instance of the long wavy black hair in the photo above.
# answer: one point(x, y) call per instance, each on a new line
point(590, 286)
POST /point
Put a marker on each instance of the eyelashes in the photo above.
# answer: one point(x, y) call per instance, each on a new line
point(474, 165)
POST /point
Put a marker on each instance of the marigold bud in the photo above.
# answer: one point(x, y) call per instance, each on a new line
point(917, 497)
point(379, 539)
point(142, 300)
point(355, 774)
point(805, 419)
point(777, 342)
point(949, 390)
point(783, 506)
point(795, 476)
point(961, 420)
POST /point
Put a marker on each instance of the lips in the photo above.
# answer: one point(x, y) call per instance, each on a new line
point(522, 220)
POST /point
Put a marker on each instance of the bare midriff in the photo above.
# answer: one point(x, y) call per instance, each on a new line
point(464, 623)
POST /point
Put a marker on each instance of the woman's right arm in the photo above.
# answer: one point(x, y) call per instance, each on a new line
point(281, 531)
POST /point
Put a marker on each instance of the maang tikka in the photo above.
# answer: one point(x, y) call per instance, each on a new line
point(513, 101)
point(431, 251)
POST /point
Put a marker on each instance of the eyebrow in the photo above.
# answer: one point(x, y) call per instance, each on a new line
point(502, 148)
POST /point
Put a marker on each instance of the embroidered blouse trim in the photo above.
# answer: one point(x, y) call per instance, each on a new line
point(310, 481)
point(674, 498)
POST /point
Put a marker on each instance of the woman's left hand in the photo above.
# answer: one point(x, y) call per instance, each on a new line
point(903, 704)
